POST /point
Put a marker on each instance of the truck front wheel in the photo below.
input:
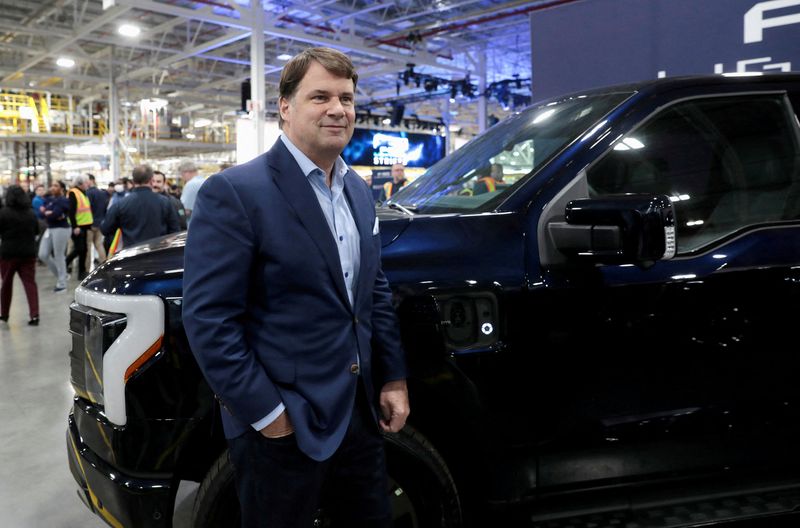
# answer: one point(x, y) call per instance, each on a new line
point(421, 490)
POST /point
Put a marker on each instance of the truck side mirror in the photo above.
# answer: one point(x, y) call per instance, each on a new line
point(617, 229)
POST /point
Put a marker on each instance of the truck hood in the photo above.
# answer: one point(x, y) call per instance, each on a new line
point(156, 266)
point(392, 224)
point(153, 267)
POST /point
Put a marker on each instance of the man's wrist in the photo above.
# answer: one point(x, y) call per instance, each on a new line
point(395, 385)
point(278, 428)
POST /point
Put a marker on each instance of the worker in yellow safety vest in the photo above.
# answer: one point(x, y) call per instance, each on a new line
point(492, 182)
point(80, 218)
point(397, 183)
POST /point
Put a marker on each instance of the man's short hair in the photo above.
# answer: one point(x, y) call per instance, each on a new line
point(160, 173)
point(293, 72)
point(78, 181)
point(187, 166)
point(142, 174)
point(91, 176)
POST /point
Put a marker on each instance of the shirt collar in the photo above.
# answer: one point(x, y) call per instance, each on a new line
point(307, 166)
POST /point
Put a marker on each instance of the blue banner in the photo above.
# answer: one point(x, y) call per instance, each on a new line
point(381, 148)
point(594, 43)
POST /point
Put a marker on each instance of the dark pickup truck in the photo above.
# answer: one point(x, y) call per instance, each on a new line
point(606, 335)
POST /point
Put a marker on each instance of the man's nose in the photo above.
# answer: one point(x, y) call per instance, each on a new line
point(336, 107)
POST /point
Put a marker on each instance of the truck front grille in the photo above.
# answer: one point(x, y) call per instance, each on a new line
point(92, 331)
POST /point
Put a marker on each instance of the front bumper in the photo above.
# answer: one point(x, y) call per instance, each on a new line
point(120, 500)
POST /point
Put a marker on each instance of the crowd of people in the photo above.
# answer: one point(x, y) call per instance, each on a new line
point(59, 226)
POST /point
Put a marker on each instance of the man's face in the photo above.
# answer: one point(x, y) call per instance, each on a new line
point(55, 189)
point(319, 118)
point(40, 190)
point(398, 172)
point(188, 175)
point(157, 183)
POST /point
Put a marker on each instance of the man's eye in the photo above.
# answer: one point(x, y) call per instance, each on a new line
point(347, 100)
point(319, 98)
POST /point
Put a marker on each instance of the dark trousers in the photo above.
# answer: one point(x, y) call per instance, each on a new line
point(79, 251)
point(26, 267)
point(279, 486)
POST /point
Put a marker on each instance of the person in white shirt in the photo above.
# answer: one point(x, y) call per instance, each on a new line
point(192, 182)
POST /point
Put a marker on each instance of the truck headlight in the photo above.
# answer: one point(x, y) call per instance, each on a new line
point(112, 337)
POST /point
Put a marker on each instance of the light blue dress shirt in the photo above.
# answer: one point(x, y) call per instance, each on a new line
point(343, 228)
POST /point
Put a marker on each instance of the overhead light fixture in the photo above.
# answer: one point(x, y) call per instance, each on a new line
point(284, 56)
point(65, 62)
point(129, 30)
point(387, 121)
point(153, 104)
point(201, 122)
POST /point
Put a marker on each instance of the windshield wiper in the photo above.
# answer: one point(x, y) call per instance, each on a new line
point(407, 210)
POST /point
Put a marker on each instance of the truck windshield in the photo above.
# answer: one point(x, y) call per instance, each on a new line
point(478, 175)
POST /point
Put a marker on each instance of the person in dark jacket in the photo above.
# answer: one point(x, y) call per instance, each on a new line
point(159, 185)
point(18, 230)
point(142, 214)
point(98, 199)
point(54, 241)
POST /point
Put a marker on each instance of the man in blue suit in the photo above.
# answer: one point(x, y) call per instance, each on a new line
point(290, 316)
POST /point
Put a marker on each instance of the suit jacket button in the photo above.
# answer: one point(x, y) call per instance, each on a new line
point(354, 369)
point(355, 320)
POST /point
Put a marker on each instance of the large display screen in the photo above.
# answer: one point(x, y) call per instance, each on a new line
point(380, 148)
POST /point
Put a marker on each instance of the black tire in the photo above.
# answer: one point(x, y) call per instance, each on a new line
point(216, 503)
point(422, 491)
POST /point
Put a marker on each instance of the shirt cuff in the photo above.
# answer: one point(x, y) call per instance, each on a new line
point(268, 419)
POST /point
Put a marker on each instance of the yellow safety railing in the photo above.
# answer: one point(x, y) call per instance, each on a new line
point(18, 113)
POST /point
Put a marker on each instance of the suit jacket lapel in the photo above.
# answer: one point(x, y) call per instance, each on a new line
point(360, 210)
point(297, 190)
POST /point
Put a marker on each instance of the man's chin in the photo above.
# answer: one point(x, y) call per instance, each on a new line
point(337, 142)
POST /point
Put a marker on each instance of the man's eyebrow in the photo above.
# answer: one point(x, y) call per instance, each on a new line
point(326, 92)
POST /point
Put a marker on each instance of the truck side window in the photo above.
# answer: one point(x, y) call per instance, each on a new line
point(726, 162)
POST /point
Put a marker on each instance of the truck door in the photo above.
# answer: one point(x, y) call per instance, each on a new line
point(689, 366)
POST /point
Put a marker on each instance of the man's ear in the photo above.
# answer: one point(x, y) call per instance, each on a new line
point(283, 107)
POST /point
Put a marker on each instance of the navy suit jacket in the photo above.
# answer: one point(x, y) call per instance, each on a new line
point(265, 305)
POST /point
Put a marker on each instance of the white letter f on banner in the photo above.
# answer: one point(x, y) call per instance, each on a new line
point(755, 23)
